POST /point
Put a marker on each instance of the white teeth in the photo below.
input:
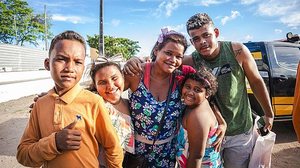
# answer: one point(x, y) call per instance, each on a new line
point(113, 91)
point(67, 78)
point(189, 98)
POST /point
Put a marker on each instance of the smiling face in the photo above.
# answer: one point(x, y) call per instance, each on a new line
point(193, 92)
point(109, 82)
point(66, 64)
point(204, 39)
point(170, 56)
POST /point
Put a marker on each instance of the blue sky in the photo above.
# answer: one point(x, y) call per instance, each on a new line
point(141, 20)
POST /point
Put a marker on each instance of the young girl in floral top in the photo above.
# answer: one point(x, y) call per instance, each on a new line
point(108, 82)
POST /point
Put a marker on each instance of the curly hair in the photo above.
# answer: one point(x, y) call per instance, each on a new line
point(205, 78)
point(198, 20)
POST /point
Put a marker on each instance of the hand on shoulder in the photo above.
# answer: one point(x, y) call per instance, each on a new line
point(133, 66)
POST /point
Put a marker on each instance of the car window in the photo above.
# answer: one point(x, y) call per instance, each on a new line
point(288, 57)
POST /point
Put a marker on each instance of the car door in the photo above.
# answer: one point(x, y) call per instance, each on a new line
point(284, 58)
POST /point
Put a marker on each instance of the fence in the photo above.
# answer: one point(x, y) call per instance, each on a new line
point(16, 58)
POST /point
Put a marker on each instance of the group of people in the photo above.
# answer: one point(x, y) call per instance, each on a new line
point(183, 110)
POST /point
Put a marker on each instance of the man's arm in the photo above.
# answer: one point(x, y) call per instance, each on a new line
point(188, 60)
point(35, 99)
point(32, 150)
point(256, 82)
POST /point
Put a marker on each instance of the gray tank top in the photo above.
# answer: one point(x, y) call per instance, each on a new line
point(231, 96)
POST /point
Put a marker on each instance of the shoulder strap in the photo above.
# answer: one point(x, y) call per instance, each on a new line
point(147, 75)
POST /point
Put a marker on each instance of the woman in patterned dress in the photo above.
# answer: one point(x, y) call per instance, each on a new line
point(148, 100)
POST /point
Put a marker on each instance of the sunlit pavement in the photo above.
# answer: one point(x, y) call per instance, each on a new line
point(14, 85)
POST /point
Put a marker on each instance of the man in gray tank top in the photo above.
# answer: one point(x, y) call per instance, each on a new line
point(231, 63)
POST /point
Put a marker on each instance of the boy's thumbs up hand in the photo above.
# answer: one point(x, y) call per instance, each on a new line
point(71, 125)
point(68, 138)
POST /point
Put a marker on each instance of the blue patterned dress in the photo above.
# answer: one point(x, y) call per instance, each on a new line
point(211, 158)
point(146, 115)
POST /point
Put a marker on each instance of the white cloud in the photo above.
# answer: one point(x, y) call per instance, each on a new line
point(179, 28)
point(167, 7)
point(171, 6)
point(60, 4)
point(278, 31)
point(276, 7)
point(248, 38)
point(292, 20)
point(71, 18)
point(234, 14)
point(248, 2)
point(285, 11)
point(115, 22)
point(211, 2)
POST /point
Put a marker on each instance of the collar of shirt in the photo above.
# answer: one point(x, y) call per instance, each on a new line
point(69, 96)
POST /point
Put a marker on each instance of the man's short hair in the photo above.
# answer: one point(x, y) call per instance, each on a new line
point(198, 20)
point(67, 35)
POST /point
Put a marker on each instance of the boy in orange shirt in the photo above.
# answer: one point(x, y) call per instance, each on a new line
point(66, 125)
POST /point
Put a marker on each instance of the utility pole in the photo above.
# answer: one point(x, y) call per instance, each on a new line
point(15, 27)
point(101, 39)
point(45, 24)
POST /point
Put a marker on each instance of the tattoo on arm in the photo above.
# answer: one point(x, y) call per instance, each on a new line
point(238, 52)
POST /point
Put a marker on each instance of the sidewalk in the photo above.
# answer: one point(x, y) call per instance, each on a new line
point(14, 85)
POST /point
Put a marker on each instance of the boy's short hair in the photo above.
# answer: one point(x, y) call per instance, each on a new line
point(197, 21)
point(67, 35)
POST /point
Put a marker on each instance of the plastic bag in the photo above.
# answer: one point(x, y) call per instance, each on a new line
point(262, 150)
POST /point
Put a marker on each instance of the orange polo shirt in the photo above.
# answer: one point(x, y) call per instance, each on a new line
point(51, 114)
point(296, 107)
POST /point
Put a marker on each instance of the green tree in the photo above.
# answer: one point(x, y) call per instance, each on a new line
point(18, 23)
point(114, 46)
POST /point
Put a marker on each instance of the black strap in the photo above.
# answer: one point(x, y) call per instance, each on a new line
point(165, 110)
